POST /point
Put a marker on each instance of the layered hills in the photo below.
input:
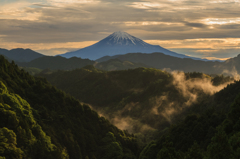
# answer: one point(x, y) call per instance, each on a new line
point(134, 60)
point(162, 61)
point(35, 62)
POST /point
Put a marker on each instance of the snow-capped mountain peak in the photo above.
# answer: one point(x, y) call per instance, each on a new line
point(119, 43)
point(121, 35)
point(122, 38)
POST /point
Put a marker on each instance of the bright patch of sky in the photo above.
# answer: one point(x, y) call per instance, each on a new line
point(221, 21)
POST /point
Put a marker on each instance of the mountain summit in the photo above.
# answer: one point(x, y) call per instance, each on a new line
point(123, 38)
point(20, 55)
point(119, 43)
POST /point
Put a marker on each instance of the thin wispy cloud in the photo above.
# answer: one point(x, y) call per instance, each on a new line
point(80, 22)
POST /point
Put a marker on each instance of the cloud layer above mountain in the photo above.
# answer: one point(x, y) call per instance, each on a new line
point(207, 28)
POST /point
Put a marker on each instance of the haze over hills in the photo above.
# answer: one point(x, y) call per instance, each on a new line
point(120, 43)
point(162, 61)
point(134, 60)
point(62, 63)
point(57, 63)
point(31, 59)
point(20, 55)
point(116, 64)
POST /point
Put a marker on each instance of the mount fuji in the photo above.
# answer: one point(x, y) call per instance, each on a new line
point(120, 43)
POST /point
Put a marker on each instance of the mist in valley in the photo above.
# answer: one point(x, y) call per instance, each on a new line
point(164, 107)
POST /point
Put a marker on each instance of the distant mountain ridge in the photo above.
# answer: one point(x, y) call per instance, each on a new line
point(120, 43)
point(61, 63)
point(30, 60)
point(161, 61)
point(135, 60)
point(57, 63)
point(20, 55)
point(116, 64)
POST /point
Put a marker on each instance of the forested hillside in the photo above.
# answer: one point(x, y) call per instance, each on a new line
point(40, 121)
point(213, 134)
point(192, 115)
point(142, 99)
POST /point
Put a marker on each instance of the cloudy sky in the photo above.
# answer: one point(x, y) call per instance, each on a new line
point(201, 28)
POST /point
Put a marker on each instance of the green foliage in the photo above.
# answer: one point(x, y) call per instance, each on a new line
point(234, 141)
point(16, 114)
point(8, 144)
point(194, 152)
point(3, 88)
point(32, 70)
point(149, 151)
point(148, 96)
point(210, 134)
point(47, 123)
point(219, 148)
point(167, 151)
point(111, 148)
point(50, 124)
point(220, 79)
